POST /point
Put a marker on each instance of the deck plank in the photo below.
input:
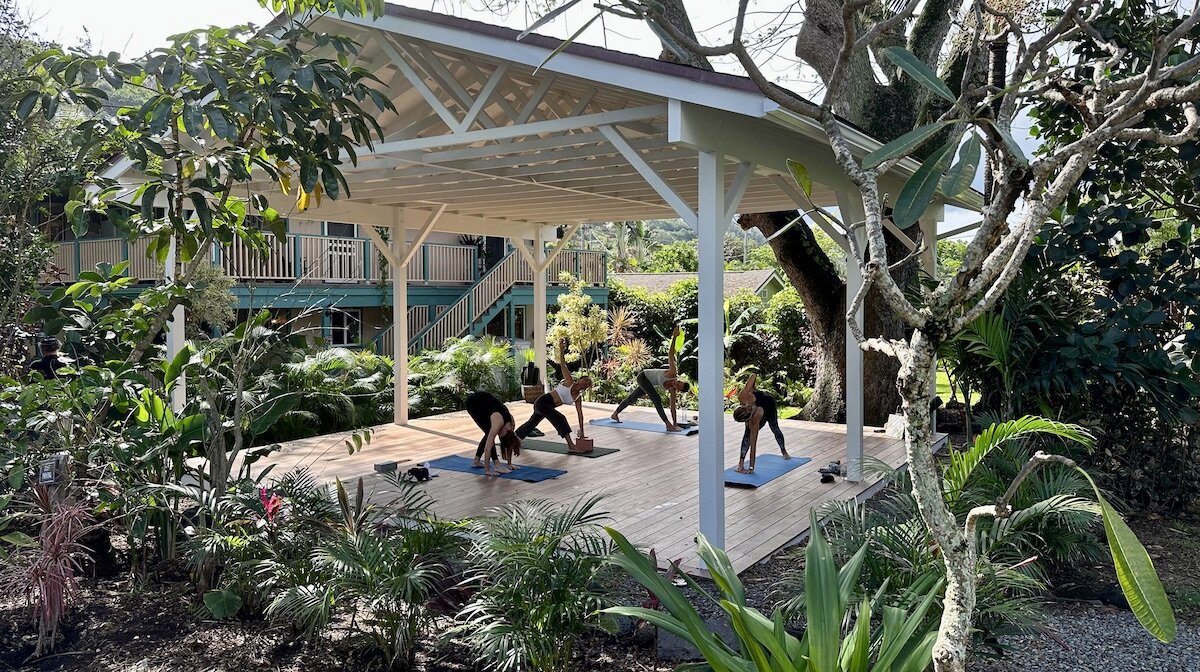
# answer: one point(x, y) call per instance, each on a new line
point(649, 487)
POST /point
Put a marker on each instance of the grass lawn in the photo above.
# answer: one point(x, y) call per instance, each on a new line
point(943, 388)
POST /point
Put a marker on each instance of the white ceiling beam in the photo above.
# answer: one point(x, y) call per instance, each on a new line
point(733, 195)
point(446, 79)
point(960, 230)
point(384, 249)
point(423, 234)
point(900, 235)
point(482, 99)
point(681, 208)
point(532, 128)
point(605, 171)
point(535, 99)
point(801, 203)
point(562, 245)
point(574, 159)
point(417, 81)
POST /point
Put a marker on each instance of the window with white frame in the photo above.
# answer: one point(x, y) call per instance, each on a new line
point(345, 326)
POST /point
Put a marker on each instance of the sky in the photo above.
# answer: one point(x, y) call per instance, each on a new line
point(133, 27)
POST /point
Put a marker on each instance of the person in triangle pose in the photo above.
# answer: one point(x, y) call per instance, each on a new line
point(650, 381)
point(756, 409)
point(568, 392)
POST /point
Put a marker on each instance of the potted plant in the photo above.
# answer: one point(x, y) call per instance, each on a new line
point(531, 379)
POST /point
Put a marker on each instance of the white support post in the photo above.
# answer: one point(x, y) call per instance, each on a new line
point(711, 224)
point(539, 306)
point(175, 334)
point(851, 209)
point(400, 319)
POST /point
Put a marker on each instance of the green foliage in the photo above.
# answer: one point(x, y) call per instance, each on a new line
point(1054, 521)
point(338, 389)
point(223, 603)
point(839, 637)
point(537, 571)
point(1135, 572)
point(307, 554)
point(582, 325)
point(785, 314)
point(950, 254)
point(440, 380)
point(677, 257)
point(210, 301)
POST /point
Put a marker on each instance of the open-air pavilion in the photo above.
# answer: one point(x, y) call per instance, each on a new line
point(492, 137)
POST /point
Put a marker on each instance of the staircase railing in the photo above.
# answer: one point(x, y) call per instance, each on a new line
point(418, 318)
point(460, 315)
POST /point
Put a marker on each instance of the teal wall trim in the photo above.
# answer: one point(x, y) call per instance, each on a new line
point(365, 296)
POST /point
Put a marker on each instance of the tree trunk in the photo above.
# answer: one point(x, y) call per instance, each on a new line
point(823, 293)
point(915, 380)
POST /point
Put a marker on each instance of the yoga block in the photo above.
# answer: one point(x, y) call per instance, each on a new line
point(584, 445)
point(386, 467)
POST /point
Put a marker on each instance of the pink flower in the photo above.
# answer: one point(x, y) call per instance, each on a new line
point(271, 504)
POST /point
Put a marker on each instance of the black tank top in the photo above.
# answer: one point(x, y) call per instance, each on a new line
point(481, 405)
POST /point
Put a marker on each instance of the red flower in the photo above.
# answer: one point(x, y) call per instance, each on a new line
point(271, 503)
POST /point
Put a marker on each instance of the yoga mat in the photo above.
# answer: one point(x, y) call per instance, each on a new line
point(766, 469)
point(655, 427)
point(524, 473)
point(561, 448)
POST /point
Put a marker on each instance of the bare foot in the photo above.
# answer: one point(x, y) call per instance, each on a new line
point(786, 456)
point(741, 469)
point(512, 467)
point(476, 464)
point(674, 428)
point(614, 418)
point(501, 469)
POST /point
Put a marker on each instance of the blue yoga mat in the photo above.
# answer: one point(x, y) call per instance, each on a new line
point(524, 473)
point(766, 469)
point(655, 427)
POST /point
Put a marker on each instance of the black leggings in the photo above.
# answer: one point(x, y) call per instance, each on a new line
point(481, 412)
point(644, 389)
point(544, 408)
point(770, 418)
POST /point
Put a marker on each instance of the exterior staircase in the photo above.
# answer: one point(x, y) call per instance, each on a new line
point(481, 302)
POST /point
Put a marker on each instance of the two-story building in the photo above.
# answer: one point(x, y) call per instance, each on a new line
point(335, 267)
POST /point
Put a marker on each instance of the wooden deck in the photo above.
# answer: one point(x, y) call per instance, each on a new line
point(650, 486)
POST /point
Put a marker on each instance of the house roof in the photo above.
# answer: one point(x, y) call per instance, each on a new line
point(661, 282)
point(490, 135)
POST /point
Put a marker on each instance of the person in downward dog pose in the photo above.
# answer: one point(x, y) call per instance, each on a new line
point(497, 423)
point(756, 409)
point(568, 391)
point(648, 383)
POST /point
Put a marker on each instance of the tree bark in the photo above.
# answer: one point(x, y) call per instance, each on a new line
point(823, 293)
point(958, 552)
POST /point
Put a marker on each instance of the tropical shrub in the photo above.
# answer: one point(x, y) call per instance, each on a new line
point(308, 554)
point(652, 314)
point(582, 325)
point(1052, 517)
point(787, 319)
point(338, 389)
point(45, 572)
point(440, 380)
point(536, 569)
point(838, 636)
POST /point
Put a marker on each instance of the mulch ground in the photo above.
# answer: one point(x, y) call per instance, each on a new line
point(116, 626)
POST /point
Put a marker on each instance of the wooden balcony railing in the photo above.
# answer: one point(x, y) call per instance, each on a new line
point(298, 258)
point(310, 258)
